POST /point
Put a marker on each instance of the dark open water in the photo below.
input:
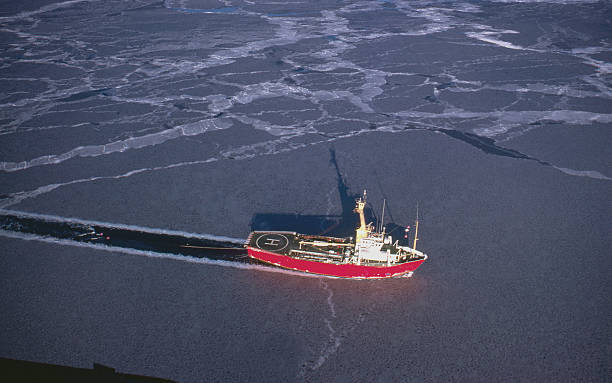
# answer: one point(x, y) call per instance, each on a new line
point(205, 119)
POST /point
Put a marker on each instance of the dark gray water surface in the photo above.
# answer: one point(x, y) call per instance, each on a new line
point(214, 117)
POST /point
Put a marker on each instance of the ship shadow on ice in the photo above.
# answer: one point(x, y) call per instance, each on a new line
point(342, 225)
point(190, 245)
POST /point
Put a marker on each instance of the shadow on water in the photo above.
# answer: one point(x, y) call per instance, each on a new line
point(100, 234)
point(342, 225)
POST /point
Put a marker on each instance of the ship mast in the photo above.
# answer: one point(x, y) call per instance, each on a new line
point(382, 218)
point(416, 228)
point(362, 230)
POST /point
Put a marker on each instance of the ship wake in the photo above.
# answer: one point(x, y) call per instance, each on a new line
point(132, 240)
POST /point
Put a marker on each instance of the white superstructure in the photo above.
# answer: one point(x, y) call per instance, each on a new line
point(371, 246)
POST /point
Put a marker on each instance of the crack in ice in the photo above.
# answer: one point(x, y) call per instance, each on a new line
point(191, 129)
point(333, 343)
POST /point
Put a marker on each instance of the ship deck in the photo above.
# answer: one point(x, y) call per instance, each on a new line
point(309, 247)
point(283, 242)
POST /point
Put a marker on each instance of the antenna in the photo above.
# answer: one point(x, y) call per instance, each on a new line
point(416, 228)
point(382, 219)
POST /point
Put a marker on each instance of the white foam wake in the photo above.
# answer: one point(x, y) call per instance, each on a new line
point(56, 218)
point(183, 258)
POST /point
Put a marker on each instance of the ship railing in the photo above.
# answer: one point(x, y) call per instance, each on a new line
point(318, 255)
point(325, 244)
point(248, 241)
point(324, 238)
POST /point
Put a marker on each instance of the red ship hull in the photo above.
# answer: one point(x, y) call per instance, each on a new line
point(334, 269)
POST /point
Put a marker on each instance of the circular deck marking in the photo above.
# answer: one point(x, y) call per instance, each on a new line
point(272, 242)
